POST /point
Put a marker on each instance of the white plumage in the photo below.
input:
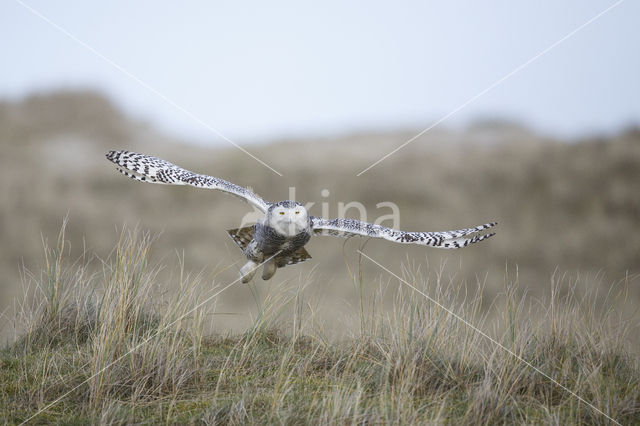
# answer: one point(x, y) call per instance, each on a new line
point(279, 238)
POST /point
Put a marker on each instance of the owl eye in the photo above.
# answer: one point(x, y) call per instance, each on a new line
point(297, 212)
point(281, 213)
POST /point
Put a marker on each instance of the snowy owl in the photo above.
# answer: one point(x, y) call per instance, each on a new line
point(278, 239)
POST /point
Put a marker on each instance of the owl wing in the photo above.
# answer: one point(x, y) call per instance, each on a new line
point(156, 170)
point(243, 237)
point(442, 239)
point(292, 258)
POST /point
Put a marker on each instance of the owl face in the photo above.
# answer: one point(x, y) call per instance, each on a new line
point(288, 218)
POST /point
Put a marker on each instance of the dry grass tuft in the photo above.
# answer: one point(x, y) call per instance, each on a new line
point(105, 348)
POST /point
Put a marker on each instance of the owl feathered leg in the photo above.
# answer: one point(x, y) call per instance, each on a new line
point(248, 271)
point(269, 269)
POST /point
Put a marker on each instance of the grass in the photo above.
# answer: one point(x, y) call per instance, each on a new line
point(571, 206)
point(111, 347)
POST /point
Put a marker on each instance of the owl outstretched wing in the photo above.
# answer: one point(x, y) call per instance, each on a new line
point(443, 239)
point(156, 170)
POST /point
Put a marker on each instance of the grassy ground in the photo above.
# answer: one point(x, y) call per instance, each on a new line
point(103, 345)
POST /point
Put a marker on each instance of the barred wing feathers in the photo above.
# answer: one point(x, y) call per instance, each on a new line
point(156, 170)
point(243, 236)
point(443, 239)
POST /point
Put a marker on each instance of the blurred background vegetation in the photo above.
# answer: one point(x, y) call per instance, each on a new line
point(566, 208)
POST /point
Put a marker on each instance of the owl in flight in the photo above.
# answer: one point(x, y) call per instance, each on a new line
point(278, 239)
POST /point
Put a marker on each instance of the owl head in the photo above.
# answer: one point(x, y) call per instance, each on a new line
point(288, 218)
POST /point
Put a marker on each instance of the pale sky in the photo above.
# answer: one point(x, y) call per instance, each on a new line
point(258, 71)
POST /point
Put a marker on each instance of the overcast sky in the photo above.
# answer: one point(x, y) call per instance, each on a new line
point(257, 71)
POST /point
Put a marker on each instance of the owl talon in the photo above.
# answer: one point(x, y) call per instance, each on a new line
point(248, 271)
